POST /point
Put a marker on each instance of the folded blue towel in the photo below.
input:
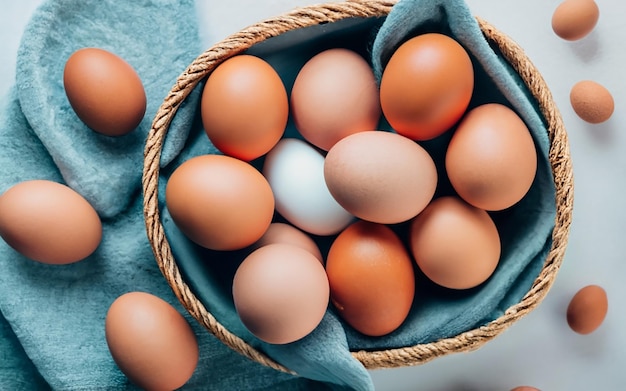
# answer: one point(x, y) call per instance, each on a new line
point(54, 315)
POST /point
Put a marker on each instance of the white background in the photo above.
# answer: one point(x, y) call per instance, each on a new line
point(539, 350)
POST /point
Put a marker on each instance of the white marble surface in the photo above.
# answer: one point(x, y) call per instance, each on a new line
point(540, 349)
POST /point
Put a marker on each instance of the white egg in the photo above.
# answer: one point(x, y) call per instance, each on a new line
point(295, 172)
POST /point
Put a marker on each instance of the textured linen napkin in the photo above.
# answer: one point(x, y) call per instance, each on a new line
point(52, 323)
point(159, 38)
point(525, 229)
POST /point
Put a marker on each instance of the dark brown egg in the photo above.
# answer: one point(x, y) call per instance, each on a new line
point(371, 276)
point(455, 244)
point(587, 309)
point(151, 342)
point(244, 107)
point(591, 101)
point(426, 86)
point(105, 91)
point(491, 160)
point(49, 222)
point(575, 19)
point(220, 202)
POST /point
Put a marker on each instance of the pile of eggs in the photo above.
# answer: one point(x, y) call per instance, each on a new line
point(346, 179)
point(373, 192)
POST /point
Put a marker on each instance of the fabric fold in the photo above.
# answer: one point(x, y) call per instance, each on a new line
point(158, 38)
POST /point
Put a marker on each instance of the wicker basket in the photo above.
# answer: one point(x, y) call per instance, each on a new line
point(327, 13)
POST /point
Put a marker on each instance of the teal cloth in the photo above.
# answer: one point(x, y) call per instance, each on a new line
point(16, 370)
point(54, 315)
point(437, 313)
point(157, 37)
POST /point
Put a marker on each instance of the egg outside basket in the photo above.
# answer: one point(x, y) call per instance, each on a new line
point(559, 159)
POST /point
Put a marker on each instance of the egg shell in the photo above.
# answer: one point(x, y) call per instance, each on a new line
point(455, 244)
point(380, 176)
point(288, 234)
point(105, 91)
point(219, 202)
point(280, 293)
point(371, 276)
point(575, 19)
point(49, 222)
point(151, 342)
point(426, 86)
point(491, 160)
point(525, 388)
point(295, 171)
point(591, 101)
point(244, 107)
point(587, 309)
point(334, 95)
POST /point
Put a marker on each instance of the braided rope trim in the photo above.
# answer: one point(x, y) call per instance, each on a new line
point(328, 13)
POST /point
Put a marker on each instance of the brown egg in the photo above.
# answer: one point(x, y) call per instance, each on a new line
point(455, 244)
point(525, 388)
point(334, 95)
point(49, 222)
point(105, 91)
point(591, 101)
point(491, 160)
point(587, 309)
point(371, 276)
point(244, 107)
point(426, 86)
point(151, 342)
point(380, 176)
point(574, 19)
point(280, 293)
point(220, 202)
point(288, 234)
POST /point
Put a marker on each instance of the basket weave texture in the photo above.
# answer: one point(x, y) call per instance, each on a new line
point(202, 66)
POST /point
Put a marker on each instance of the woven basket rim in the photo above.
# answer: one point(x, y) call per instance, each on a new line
point(559, 158)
